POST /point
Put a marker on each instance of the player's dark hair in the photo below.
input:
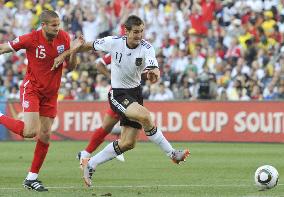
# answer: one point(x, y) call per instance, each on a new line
point(46, 15)
point(131, 21)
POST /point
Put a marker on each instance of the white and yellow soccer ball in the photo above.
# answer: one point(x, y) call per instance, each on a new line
point(266, 177)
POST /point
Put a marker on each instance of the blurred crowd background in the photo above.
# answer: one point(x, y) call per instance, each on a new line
point(206, 49)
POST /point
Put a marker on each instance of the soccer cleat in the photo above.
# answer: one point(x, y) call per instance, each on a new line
point(80, 157)
point(34, 185)
point(88, 172)
point(120, 157)
point(179, 155)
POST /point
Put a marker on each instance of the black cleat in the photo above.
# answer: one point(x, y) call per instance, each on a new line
point(34, 185)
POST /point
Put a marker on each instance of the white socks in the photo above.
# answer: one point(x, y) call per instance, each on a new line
point(108, 153)
point(112, 149)
point(159, 139)
point(32, 176)
point(85, 154)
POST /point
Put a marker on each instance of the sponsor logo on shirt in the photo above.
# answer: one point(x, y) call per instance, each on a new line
point(60, 49)
point(25, 104)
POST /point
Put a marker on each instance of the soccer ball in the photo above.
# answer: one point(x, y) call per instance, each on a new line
point(266, 177)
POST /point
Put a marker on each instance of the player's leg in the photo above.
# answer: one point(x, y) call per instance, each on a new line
point(139, 113)
point(30, 125)
point(47, 112)
point(42, 145)
point(119, 101)
point(14, 125)
point(98, 137)
point(127, 142)
point(40, 153)
point(27, 128)
point(109, 121)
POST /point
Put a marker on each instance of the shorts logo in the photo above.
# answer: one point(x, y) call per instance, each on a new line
point(25, 104)
point(138, 61)
point(125, 102)
point(60, 49)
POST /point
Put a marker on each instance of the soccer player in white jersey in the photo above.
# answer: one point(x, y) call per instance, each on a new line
point(130, 55)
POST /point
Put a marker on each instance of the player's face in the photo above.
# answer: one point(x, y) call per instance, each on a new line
point(135, 35)
point(51, 28)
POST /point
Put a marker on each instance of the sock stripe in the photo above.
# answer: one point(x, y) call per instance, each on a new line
point(151, 131)
point(116, 148)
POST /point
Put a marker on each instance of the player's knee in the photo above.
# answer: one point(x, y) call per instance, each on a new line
point(145, 118)
point(44, 137)
point(30, 133)
point(128, 145)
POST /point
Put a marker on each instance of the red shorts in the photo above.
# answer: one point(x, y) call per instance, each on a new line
point(112, 113)
point(32, 101)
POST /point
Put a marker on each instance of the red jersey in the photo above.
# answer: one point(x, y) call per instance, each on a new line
point(41, 55)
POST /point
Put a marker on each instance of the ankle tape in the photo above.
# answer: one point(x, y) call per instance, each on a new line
point(151, 131)
point(116, 148)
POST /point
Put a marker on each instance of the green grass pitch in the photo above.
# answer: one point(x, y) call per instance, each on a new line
point(213, 170)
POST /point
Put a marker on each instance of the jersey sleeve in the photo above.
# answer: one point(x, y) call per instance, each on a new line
point(21, 42)
point(106, 59)
point(150, 59)
point(104, 44)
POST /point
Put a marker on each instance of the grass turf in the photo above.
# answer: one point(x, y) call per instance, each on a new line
point(213, 170)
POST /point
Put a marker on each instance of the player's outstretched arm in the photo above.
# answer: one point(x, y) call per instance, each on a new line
point(87, 46)
point(69, 54)
point(75, 46)
point(5, 48)
point(102, 69)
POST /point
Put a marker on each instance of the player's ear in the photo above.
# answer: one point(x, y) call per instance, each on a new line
point(43, 24)
point(127, 31)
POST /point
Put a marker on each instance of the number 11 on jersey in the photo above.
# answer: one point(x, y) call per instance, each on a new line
point(118, 56)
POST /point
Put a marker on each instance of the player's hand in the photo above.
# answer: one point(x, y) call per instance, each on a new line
point(60, 59)
point(75, 46)
point(153, 75)
point(77, 43)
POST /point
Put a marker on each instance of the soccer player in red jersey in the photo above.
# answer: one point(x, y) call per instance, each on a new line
point(40, 86)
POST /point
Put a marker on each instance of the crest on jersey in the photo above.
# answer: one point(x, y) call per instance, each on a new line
point(60, 49)
point(138, 61)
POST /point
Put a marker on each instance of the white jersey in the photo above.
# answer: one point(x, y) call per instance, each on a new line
point(127, 64)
